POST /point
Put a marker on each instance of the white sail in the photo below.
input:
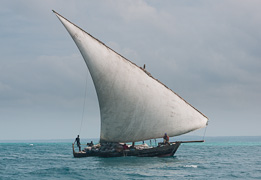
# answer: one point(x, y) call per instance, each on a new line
point(133, 105)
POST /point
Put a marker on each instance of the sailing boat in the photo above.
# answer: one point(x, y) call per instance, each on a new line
point(134, 106)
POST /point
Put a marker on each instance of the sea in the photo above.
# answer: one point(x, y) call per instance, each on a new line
point(216, 158)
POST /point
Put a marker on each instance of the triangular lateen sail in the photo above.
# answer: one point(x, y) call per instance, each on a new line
point(133, 105)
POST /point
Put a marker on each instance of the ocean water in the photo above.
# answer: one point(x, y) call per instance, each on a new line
point(217, 158)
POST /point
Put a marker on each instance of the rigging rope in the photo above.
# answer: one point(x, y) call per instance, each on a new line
point(84, 104)
point(205, 132)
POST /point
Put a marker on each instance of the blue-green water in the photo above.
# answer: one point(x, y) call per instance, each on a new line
point(217, 158)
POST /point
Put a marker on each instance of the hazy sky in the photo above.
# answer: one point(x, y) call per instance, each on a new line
point(209, 52)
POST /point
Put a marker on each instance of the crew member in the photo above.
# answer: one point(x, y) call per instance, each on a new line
point(90, 144)
point(125, 147)
point(166, 139)
point(78, 142)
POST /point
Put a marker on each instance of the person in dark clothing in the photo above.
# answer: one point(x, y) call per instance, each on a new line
point(78, 142)
point(90, 144)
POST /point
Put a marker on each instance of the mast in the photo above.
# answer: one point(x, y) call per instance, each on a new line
point(134, 106)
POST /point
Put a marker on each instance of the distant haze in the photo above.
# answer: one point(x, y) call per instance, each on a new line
point(208, 52)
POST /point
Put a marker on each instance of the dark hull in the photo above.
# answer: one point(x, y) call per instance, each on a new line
point(160, 151)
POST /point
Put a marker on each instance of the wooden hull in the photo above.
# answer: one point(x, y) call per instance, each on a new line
point(160, 151)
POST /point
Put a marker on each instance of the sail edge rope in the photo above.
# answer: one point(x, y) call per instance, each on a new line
point(84, 103)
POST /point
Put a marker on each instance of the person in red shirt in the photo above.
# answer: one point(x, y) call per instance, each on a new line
point(125, 147)
point(166, 139)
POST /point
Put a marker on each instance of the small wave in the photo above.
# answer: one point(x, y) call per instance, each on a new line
point(191, 166)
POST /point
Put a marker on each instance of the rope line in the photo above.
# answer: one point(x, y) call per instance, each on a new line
point(84, 102)
point(205, 132)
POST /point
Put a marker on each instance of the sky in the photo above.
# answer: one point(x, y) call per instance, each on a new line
point(208, 52)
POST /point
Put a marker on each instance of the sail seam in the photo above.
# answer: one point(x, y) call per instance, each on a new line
point(131, 63)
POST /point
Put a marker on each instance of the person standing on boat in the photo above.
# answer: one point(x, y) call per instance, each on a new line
point(166, 139)
point(78, 142)
point(125, 147)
